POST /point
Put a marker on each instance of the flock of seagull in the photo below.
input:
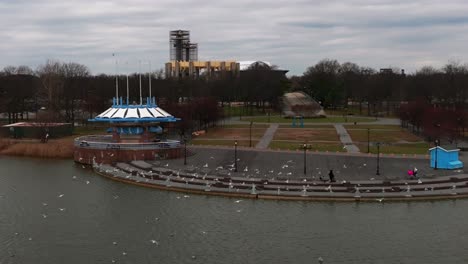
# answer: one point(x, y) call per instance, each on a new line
point(115, 196)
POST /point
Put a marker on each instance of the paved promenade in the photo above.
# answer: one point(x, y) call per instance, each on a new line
point(267, 137)
point(346, 139)
point(260, 174)
point(270, 164)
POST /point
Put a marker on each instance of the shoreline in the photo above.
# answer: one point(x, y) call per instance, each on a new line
point(169, 180)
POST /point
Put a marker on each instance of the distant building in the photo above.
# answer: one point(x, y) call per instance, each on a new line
point(195, 69)
point(386, 70)
point(180, 47)
point(390, 71)
point(184, 61)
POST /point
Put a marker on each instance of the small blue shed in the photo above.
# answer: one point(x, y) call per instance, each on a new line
point(445, 159)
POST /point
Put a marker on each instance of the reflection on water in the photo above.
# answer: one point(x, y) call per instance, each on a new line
point(51, 211)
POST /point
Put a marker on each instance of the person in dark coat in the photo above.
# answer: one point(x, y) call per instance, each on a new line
point(332, 176)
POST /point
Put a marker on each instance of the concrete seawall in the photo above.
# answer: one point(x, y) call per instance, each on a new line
point(146, 175)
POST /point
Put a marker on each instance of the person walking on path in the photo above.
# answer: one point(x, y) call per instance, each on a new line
point(332, 176)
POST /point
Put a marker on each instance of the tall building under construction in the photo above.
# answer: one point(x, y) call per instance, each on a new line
point(184, 61)
point(181, 49)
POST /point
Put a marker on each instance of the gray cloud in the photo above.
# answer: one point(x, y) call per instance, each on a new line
point(293, 34)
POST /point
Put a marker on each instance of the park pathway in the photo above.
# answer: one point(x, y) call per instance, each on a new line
point(346, 139)
point(267, 137)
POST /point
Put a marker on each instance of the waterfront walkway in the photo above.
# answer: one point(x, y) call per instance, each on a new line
point(280, 175)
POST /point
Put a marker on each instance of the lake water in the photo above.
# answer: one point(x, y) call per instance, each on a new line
point(47, 216)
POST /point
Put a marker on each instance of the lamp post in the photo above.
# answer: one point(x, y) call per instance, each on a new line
point(305, 163)
point(378, 158)
point(368, 142)
point(436, 150)
point(235, 156)
point(250, 134)
point(185, 151)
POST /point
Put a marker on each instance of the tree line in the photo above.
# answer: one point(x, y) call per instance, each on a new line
point(68, 92)
point(71, 93)
point(340, 85)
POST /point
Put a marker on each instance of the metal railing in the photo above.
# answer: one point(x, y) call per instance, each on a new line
point(105, 142)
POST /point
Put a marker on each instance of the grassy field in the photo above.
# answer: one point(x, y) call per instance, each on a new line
point(313, 125)
point(245, 126)
point(233, 111)
point(313, 146)
point(354, 110)
point(222, 142)
point(372, 126)
point(408, 148)
point(306, 134)
point(331, 119)
point(393, 136)
point(320, 137)
point(232, 133)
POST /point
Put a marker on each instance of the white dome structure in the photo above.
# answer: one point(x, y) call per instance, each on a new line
point(244, 65)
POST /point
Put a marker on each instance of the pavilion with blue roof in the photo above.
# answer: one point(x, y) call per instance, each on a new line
point(134, 119)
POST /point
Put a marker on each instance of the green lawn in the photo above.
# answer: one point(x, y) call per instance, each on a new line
point(371, 126)
point(313, 146)
point(331, 119)
point(232, 133)
point(306, 134)
point(408, 148)
point(392, 136)
point(354, 110)
point(233, 111)
point(245, 126)
point(222, 142)
point(308, 126)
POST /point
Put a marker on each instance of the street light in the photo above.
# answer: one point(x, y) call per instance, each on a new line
point(250, 134)
point(368, 138)
point(185, 151)
point(436, 150)
point(378, 158)
point(305, 164)
point(235, 156)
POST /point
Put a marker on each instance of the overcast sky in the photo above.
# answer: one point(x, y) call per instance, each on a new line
point(292, 34)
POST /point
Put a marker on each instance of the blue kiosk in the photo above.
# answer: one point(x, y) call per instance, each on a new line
point(444, 159)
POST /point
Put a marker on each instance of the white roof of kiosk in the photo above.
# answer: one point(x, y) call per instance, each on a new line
point(149, 112)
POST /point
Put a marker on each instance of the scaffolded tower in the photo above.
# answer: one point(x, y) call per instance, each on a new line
point(181, 49)
point(184, 59)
